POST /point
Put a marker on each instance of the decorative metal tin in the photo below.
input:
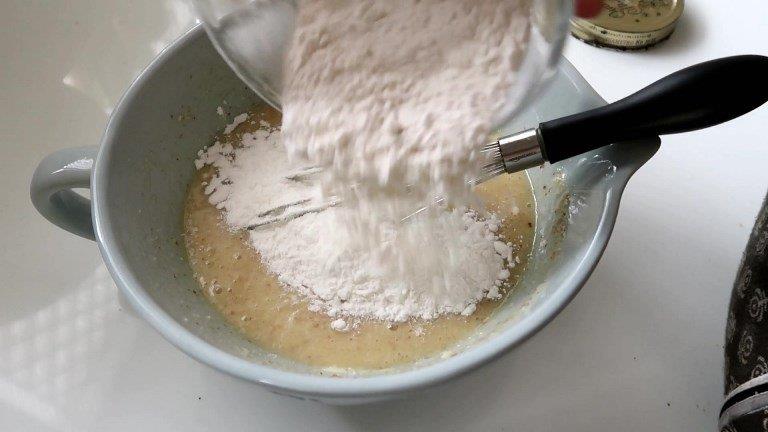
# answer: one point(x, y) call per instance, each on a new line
point(629, 24)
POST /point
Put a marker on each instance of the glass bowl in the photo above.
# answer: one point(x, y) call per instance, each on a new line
point(245, 30)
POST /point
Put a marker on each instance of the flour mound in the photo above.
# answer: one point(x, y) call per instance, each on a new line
point(458, 261)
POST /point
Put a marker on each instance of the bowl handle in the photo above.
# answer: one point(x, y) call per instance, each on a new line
point(51, 189)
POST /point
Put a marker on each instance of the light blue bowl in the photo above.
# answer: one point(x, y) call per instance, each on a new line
point(138, 179)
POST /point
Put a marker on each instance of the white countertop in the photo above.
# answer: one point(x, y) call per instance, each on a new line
point(640, 348)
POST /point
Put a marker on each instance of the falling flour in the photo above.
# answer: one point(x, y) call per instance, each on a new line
point(383, 96)
point(396, 94)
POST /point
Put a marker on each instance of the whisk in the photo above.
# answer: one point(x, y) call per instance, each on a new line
point(693, 98)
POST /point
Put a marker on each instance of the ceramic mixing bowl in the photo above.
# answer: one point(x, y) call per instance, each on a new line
point(138, 179)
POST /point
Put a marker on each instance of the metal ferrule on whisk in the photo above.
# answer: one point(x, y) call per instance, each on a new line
point(521, 151)
point(511, 154)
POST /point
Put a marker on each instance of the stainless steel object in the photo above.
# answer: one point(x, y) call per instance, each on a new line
point(515, 153)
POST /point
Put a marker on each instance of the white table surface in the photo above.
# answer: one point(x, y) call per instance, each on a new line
point(640, 349)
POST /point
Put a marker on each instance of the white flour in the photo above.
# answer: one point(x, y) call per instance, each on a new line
point(312, 255)
point(386, 96)
point(392, 93)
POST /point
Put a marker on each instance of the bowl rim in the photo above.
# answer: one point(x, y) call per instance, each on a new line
point(313, 385)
